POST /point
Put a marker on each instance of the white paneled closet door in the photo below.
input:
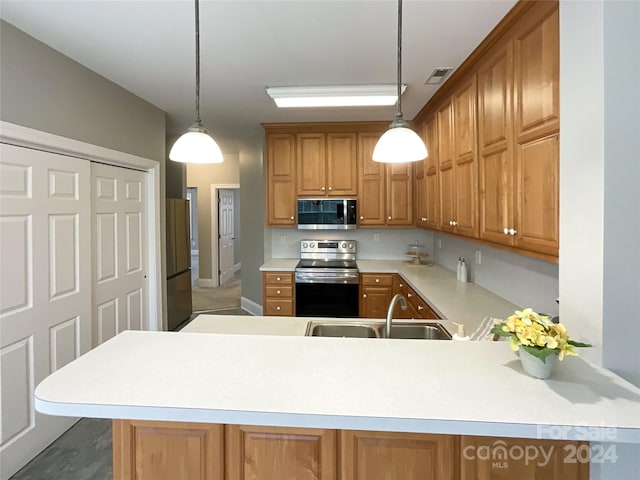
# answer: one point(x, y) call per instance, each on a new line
point(45, 289)
point(119, 244)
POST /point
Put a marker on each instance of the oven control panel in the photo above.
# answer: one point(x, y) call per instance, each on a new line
point(328, 246)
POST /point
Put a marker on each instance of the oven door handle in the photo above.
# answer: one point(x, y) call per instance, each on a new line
point(319, 278)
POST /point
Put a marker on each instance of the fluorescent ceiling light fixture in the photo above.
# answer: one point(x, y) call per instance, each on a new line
point(335, 96)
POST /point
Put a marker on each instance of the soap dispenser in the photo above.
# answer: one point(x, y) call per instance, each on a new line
point(461, 334)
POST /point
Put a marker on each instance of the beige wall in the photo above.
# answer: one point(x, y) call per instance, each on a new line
point(202, 177)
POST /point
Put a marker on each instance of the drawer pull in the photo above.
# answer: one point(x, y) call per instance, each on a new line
point(277, 279)
point(277, 292)
point(364, 295)
point(420, 307)
point(377, 280)
point(409, 295)
point(278, 307)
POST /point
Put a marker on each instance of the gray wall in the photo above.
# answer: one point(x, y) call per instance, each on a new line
point(252, 199)
point(237, 252)
point(45, 90)
point(175, 174)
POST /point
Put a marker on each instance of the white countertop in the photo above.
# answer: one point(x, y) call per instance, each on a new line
point(475, 388)
point(466, 303)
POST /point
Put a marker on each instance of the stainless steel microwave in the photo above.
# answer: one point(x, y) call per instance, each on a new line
point(327, 213)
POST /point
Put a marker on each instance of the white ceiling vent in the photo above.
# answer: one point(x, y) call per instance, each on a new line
point(438, 76)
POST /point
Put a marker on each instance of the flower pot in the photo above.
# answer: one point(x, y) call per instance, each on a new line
point(534, 366)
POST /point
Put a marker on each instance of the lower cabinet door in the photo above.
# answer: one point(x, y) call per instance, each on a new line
point(368, 455)
point(151, 450)
point(279, 453)
point(493, 458)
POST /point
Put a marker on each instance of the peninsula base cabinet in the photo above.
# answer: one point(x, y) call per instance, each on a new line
point(152, 450)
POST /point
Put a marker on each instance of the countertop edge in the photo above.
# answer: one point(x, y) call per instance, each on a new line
point(334, 422)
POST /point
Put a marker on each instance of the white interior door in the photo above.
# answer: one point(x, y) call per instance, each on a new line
point(45, 289)
point(120, 265)
point(226, 235)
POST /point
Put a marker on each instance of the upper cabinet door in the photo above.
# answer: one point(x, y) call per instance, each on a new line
point(431, 207)
point(281, 192)
point(445, 167)
point(342, 171)
point(311, 173)
point(537, 70)
point(399, 194)
point(495, 132)
point(371, 182)
point(465, 154)
point(536, 65)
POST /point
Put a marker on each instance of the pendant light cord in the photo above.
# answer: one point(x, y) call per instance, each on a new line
point(198, 120)
point(399, 112)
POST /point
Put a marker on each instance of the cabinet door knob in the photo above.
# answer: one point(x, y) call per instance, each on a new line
point(420, 307)
point(330, 188)
point(278, 307)
point(401, 285)
point(506, 231)
point(361, 217)
point(389, 217)
point(291, 217)
point(409, 295)
point(277, 279)
point(277, 292)
point(377, 280)
point(454, 223)
point(364, 295)
point(323, 189)
point(512, 231)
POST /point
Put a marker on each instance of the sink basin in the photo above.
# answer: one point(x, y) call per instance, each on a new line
point(341, 330)
point(430, 331)
point(413, 330)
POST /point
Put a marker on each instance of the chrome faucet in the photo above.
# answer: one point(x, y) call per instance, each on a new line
point(403, 305)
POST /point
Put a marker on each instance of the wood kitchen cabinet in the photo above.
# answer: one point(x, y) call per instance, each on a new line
point(278, 294)
point(498, 458)
point(280, 179)
point(326, 164)
point(367, 455)
point(152, 450)
point(518, 140)
point(417, 307)
point(426, 179)
point(376, 292)
point(385, 193)
point(458, 162)
point(268, 453)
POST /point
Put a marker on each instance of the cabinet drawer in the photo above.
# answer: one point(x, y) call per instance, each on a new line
point(278, 278)
point(276, 292)
point(277, 306)
point(371, 279)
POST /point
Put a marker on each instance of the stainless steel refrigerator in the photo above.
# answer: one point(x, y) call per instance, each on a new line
point(179, 306)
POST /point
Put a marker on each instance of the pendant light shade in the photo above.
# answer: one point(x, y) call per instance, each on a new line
point(196, 145)
point(399, 144)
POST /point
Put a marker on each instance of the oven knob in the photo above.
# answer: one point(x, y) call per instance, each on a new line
point(344, 245)
point(305, 245)
point(312, 245)
point(350, 246)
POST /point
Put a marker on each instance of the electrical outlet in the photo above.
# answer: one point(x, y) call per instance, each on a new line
point(478, 257)
point(283, 239)
point(376, 237)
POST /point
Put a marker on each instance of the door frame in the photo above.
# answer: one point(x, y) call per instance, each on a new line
point(215, 276)
point(20, 136)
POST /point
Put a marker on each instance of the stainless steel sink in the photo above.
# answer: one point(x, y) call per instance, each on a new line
point(407, 330)
point(429, 331)
point(341, 330)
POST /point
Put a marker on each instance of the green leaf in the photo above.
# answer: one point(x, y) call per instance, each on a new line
point(578, 344)
point(497, 330)
point(541, 353)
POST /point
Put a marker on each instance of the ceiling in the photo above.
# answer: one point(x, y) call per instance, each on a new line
point(147, 47)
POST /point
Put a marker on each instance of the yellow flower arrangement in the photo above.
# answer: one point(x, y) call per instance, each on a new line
point(536, 334)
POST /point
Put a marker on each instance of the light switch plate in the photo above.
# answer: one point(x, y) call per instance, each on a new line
point(478, 257)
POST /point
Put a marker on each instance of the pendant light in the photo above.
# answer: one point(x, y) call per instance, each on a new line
point(399, 144)
point(196, 145)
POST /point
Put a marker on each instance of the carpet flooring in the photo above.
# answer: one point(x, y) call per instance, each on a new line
point(219, 298)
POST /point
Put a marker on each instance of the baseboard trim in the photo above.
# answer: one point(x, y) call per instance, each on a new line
point(206, 283)
point(250, 306)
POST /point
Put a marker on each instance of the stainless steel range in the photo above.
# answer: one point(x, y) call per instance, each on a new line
point(327, 279)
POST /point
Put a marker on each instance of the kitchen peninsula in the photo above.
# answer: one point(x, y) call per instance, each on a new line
point(202, 404)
